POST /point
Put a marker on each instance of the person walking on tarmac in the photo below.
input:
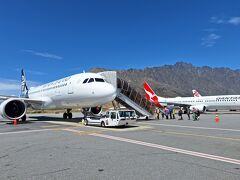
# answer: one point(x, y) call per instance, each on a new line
point(162, 113)
point(188, 113)
point(173, 113)
point(180, 114)
point(157, 111)
point(198, 114)
point(170, 112)
point(166, 112)
point(194, 115)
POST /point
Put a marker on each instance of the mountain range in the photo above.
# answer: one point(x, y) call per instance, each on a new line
point(179, 79)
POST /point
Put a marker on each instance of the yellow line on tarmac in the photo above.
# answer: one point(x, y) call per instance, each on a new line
point(196, 135)
point(81, 132)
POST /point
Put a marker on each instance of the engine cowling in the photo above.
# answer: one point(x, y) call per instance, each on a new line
point(96, 110)
point(13, 109)
point(201, 108)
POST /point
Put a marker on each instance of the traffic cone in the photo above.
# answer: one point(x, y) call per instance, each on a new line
point(15, 122)
point(217, 119)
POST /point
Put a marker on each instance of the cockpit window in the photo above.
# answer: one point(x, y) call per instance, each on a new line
point(91, 80)
point(99, 80)
point(85, 80)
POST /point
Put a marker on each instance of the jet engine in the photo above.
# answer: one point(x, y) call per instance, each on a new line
point(13, 109)
point(96, 110)
point(201, 108)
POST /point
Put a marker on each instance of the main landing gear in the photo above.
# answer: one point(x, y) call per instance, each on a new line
point(24, 118)
point(67, 114)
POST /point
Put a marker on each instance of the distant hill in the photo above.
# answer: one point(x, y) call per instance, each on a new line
point(179, 79)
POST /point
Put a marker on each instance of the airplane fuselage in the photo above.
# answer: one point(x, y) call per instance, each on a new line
point(73, 92)
point(210, 102)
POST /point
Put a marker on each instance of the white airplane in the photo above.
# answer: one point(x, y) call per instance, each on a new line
point(196, 93)
point(201, 103)
point(85, 90)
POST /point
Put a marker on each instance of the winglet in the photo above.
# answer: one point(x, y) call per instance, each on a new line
point(150, 95)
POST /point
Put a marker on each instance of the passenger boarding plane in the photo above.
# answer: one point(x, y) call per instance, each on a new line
point(201, 103)
point(85, 90)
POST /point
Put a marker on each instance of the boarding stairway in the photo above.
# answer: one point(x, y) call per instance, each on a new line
point(130, 98)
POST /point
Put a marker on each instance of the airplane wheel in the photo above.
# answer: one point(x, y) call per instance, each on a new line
point(65, 115)
point(102, 124)
point(70, 115)
point(24, 118)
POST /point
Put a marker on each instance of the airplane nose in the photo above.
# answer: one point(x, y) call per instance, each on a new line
point(110, 91)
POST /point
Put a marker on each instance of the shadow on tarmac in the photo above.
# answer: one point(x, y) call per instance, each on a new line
point(49, 118)
point(73, 120)
point(34, 119)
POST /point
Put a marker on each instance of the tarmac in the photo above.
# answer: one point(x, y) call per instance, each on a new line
point(48, 147)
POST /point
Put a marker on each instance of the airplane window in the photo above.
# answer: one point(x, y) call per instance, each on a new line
point(85, 80)
point(99, 80)
point(91, 80)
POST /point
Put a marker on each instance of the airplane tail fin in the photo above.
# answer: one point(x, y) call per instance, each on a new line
point(24, 88)
point(150, 95)
point(196, 93)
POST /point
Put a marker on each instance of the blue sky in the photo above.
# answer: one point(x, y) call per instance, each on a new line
point(51, 39)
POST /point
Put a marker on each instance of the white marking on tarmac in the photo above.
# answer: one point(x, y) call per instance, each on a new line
point(64, 123)
point(182, 151)
point(196, 135)
point(27, 131)
point(192, 127)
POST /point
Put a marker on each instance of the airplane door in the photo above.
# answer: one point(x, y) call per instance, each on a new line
point(70, 88)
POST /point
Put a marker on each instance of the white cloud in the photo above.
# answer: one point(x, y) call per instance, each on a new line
point(39, 73)
point(12, 87)
point(234, 20)
point(9, 87)
point(210, 40)
point(210, 30)
point(231, 20)
point(36, 72)
point(43, 54)
point(217, 20)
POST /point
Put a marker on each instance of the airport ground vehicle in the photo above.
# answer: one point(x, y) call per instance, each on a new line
point(112, 118)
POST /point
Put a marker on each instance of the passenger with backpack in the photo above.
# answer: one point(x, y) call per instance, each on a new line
point(180, 112)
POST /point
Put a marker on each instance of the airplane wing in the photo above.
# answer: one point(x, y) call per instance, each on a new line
point(176, 104)
point(32, 101)
point(7, 97)
point(28, 101)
